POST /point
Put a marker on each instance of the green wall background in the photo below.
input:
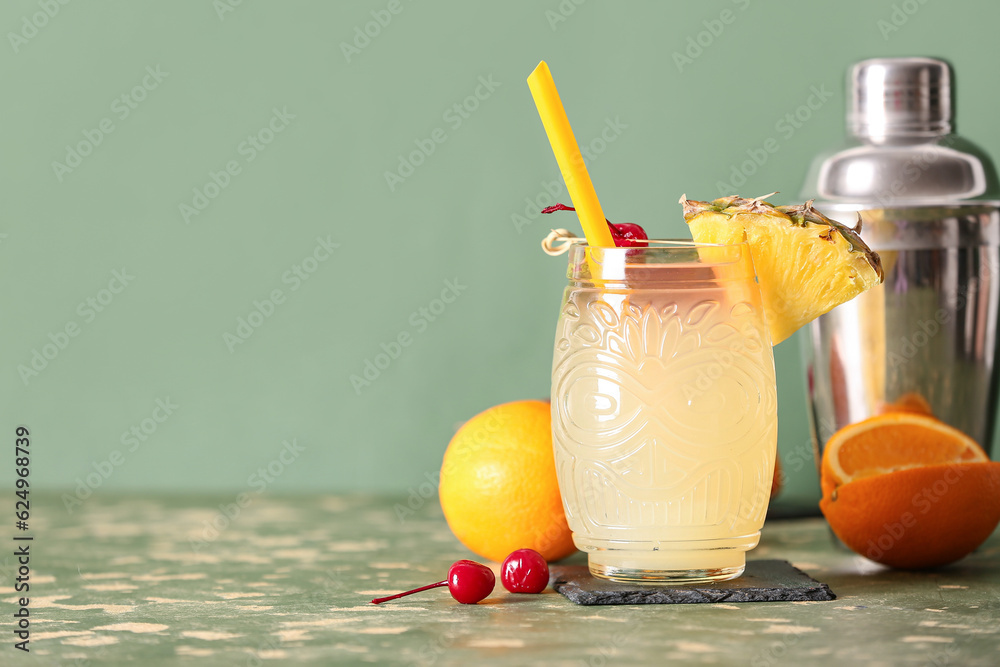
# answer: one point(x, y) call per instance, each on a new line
point(223, 71)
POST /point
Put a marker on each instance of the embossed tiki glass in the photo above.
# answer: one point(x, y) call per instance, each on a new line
point(664, 410)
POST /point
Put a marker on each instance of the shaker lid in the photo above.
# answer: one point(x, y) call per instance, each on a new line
point(899, 97)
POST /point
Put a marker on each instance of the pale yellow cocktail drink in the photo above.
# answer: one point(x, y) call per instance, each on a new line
point(664, 410)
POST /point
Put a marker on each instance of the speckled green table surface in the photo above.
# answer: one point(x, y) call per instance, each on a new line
point(150, 580)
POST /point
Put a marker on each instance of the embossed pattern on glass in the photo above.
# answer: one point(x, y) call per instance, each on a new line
point(664, 417)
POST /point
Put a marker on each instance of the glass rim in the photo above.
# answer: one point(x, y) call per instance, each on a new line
point(663, 256)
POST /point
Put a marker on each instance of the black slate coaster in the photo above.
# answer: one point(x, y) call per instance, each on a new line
point(762, 581)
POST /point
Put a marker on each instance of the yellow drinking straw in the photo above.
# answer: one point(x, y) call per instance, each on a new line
point(574, 171)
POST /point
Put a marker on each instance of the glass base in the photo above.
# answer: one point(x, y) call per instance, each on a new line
point(671, 564)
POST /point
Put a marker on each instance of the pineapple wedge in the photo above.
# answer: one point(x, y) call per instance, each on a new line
point(806, 263)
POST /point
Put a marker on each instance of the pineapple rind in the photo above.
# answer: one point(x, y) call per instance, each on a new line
point(806, 213)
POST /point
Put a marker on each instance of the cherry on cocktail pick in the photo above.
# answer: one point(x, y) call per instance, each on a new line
point(628, 235)
point(468, 582)
point(524, 571)
point(625, 234)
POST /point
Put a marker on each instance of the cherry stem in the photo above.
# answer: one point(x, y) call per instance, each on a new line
point(415, 590)
point(557, 207)
point(563, 207)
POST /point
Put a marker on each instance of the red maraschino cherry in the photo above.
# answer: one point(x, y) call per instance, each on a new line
point(629, 235)
point(468, 582)
point(625, 234)
point(524, 571)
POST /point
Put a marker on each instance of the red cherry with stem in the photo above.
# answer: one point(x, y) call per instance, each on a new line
point(524, 571)
point(468, 582)
point(625, 234)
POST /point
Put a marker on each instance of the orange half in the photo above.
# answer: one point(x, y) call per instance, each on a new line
point(909, 491)
point(917, 518)
point(892, 442)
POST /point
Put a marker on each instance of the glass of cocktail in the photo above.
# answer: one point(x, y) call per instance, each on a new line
point(664, 410)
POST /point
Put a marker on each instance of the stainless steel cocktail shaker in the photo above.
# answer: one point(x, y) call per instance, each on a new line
point(929, 201)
